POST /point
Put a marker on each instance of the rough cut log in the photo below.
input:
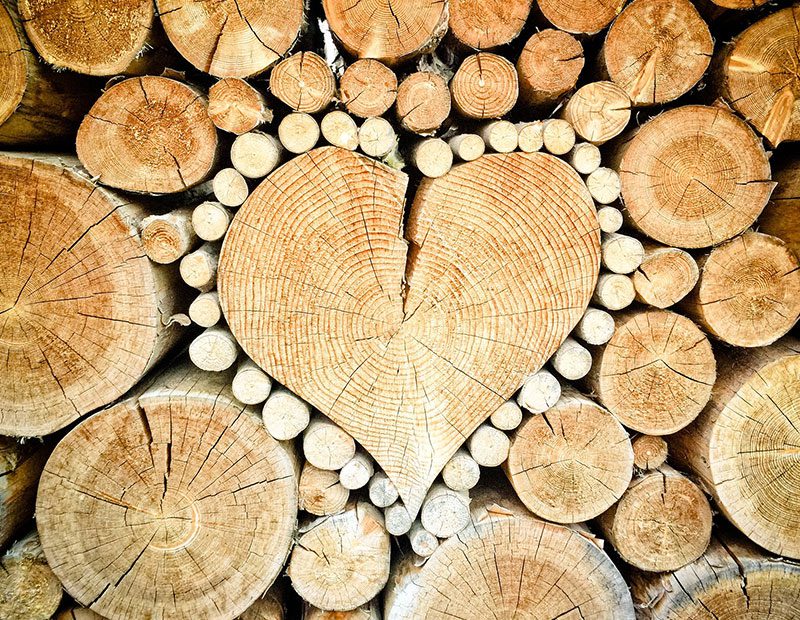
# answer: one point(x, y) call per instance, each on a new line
point(758, 75)
point(649, 452)
point(77, 613)
point(36, 103)
point(781, 217)
point(321, 493)
point(237, 107)
point(604, 183)
point(304, 82)
point(255, 154)
point(423, 102)
point(699, 204)
point(339, 129)
point(285, 415)
point(364, 382)
point(656, 373)
point(148, 134)
point(204, 309)
point(747, 294)
point(251, 385)
point(368, 88)
point(398, 520)
point(462, 472)
point(487, 24)
point(85, 314)
point(391, 33)
point(191, 484)
point(558, 137)
point(744, 444)
point(423, 543)
point(326, 445)
point(732, 579)
point(199, 268)
point(370, 611)
point(235, 39)
point(210, 220)
point(570, 463)
point(665, 276)
point(598, 111)
point(572, 360)
point(445, 512)
point(610, 219)
point(580, 16)
point(657, 51)
point(28, 587)
point(356, 473)
point(214, 350)
point(595, 327)
point(20, 467)
point(342, 561)
point(508, 560)
point(548, 66)
point(166, 238)
point(485, 86)
point(230, 187)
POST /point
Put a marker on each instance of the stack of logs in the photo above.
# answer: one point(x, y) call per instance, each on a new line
point(244, 379)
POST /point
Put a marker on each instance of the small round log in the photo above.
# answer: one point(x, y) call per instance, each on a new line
point(621, 253)
point(595, 327)
point(488, 446)
point(604, 185)
point(255, 154)
point(377, 137)
point(168, 237)
point(462, 472)
point(370, 611)
point(484, 25)
point(539, 392)
point(610, 219)
point(398, 520)
point(339, 129)
point(649, 452)
point(269, 606)
point(500, 136)
point(445, 512)
point(558, 137)
point(368, 88)
point(214, 350)
point(485, 86)
point(548, 66)
point(598, 111)
point(356, 473)
point(199, 268)
point(530, 136)
point(205, 310)
point(433, 157)
point(423, 102)
point(237, 107)
point(614, 291)
point(382, 491)
point(298, 132)
point(665, 276)
point(585, 157)
point(423, 543)
point(571, 360)
point(210, 220)
point(286, 415)
point(28, 587)
point(230, 187)
point(580, 16)
point(326, 445)
point(467, 146)
point(304, 82)
point(507, 417)
point(321, 493)
point(251, 385)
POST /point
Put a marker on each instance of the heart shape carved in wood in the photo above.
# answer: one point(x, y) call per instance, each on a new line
point(409, 339)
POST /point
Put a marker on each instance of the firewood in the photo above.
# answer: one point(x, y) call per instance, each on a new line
point(604, 185)
point(326, 445)
point(237, 39)
point(286, 415)
point(571, 360)
point(376, 137)
point(199, 268)
point(368, 88)
point(339, 129)
point(398, 520)
point(28, 587)
point(423, 543)
point(598, 111)
point(781, 217)
point(341, 561)
point(581, 16)
point(665, 276)
point(445, 512)
point(649, 452)
point(304, 82)
point(595, 327)
point(423, 102)
point(166, 238)
point(754, 78)
point(255, 154)
point(462, 472)
point(230, 187)
point(610, 219)
point(485, 86)
point(507, 417)
point(539, 392)
point(382, 491)
point(621, 253)
point(506, 554)
point(191, 484)
point(488, 446)
point(433, 157)
point(467, 146)
point(370, 611)
point(237, 107)
point(251, 385)
point(657, 51)
point(205, 310)
point(408, 29)
point(558, 136)
point(747, 293)
point(20, 467)
point(484, 25)
point(86, 313)
point(148, 134)
point(321, 493)
point(210, 220)
point(742, 443)
point(548, 67)
point(614, 291)
point(570, 463)
point(298, 132)
point(500, 136)
point(703, 206)
point(656, 373)
point(585, 157)
point(732, 579)
point(356, 473)
point(530, 136)
point(214, 350)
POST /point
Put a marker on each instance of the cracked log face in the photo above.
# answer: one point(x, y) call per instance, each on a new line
point(82, 309)
point(148, 134)
point(321, 289)
point(14, 68)
point(232, 38)
point(580, 16)
point(174, 503)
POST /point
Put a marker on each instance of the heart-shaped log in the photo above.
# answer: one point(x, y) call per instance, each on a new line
point(409, 345)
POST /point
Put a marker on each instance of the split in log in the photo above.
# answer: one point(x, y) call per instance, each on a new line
point(321, 493)
point(572, 360)
point(148, 134)
point(580, 16)
point(781, 217)
point(507, 417)
point(423, 102)
point(382, 491)
point(615, 291)
point(298, 132)
point(85, 312)
point(744, 444)
point(368, 88)
point(28, 587)
point(199, 268)
point(467, 146)
point(210, 220)
point(341, 561)
point(462, 472)
point(445, 512)
point(339, 129)
point(665, 276)
point(656, 373)
point(433, 157)
point(191, 484)
point(570, 463)
point(214, 350)
point(584, 157)
point(649, 452)
point(558, 137)
point(255, 154)
point(488, 446)
point(485, 86)
point(549, 66)
point(621, 253)
point(488, 23)
point(500, 136)
point(595, 327)
point(598, 111)
point(235, 39)
point(205, 310)
point(747, 294)
point(694, 205)
point(539, 392)
point(251, 385)
point(657, 51)
point(168, 237)
point(326, 445)
point(230, 187)
point(20, 467)
point(236, 107)
point(286, 415)
point(530, 136)
point(662, 522)
point(304, 82)
point(356, 473)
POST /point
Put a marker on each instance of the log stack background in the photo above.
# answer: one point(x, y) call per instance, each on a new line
point(408, 309)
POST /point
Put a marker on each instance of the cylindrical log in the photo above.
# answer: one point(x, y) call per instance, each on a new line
point(584, 157)
point(500, 136)
point(237, 39)
point(571, 360)
point(398, 520)
point(485, 86)
point(199, 268)
point(28, 587)
point(326, 445)
point(286, 415)
point(377, 137)
point(214, 350)
point(488, 446)
point(467, 146)
point(621, 253)
point(230, 187)
point(743, 445)
point(507, 557)
point(694, 176)
point(191, 485)
point(85, 312)
point(368, 88)
point(614, 291)
point(356, 473)
point(549, 66)
point(251, 385)
point(507, 417)
point(341, 561)
point(423, 543)
point(530, 136)
point(580, 16)
point(382, 491)
point(304, 82)
point(462, 472)
point(657, 51)
point(205, 310)
point(423, 102)
point(610, 219)
point(433, 157)
point(604, 185)
point(20, 467)
point(781, 217)
point(595, 327)
point(148, 134)
point(665, 276)
point(484, 25)
point(298, 132)
point(255, 154)
point(598, 111)
point(166, 238)
point(445, 512)
point(539, 392)
point(662, 522)
point(210, 220)
point(558, 137)
point(747, 294)
point(237, 107)
point(649, 452)
point(339, 129)
point(321, 493)
point(656, 373)
point(570, 463)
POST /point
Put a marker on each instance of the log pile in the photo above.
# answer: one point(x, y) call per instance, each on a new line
point(408, 309)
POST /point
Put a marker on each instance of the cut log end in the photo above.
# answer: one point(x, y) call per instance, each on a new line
point(166, 238)
point(423, 102)
point(326, 445)
point(255, 154)
point(485, 25)
point(462, 472)
point(549, 66)
point(28, 587)
point(580, 16)
point(649, 452)
point(298, 132)
point(665, 276)
point(237, 107)
point(598, 111)
point(230, 187)
point(286, 416)
point(339, 129)
point(210, 220)
point(321, 493)
point(445, 512)
point(485, 86)
point(251, 385)
point(304, 82)
point(368, 88)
